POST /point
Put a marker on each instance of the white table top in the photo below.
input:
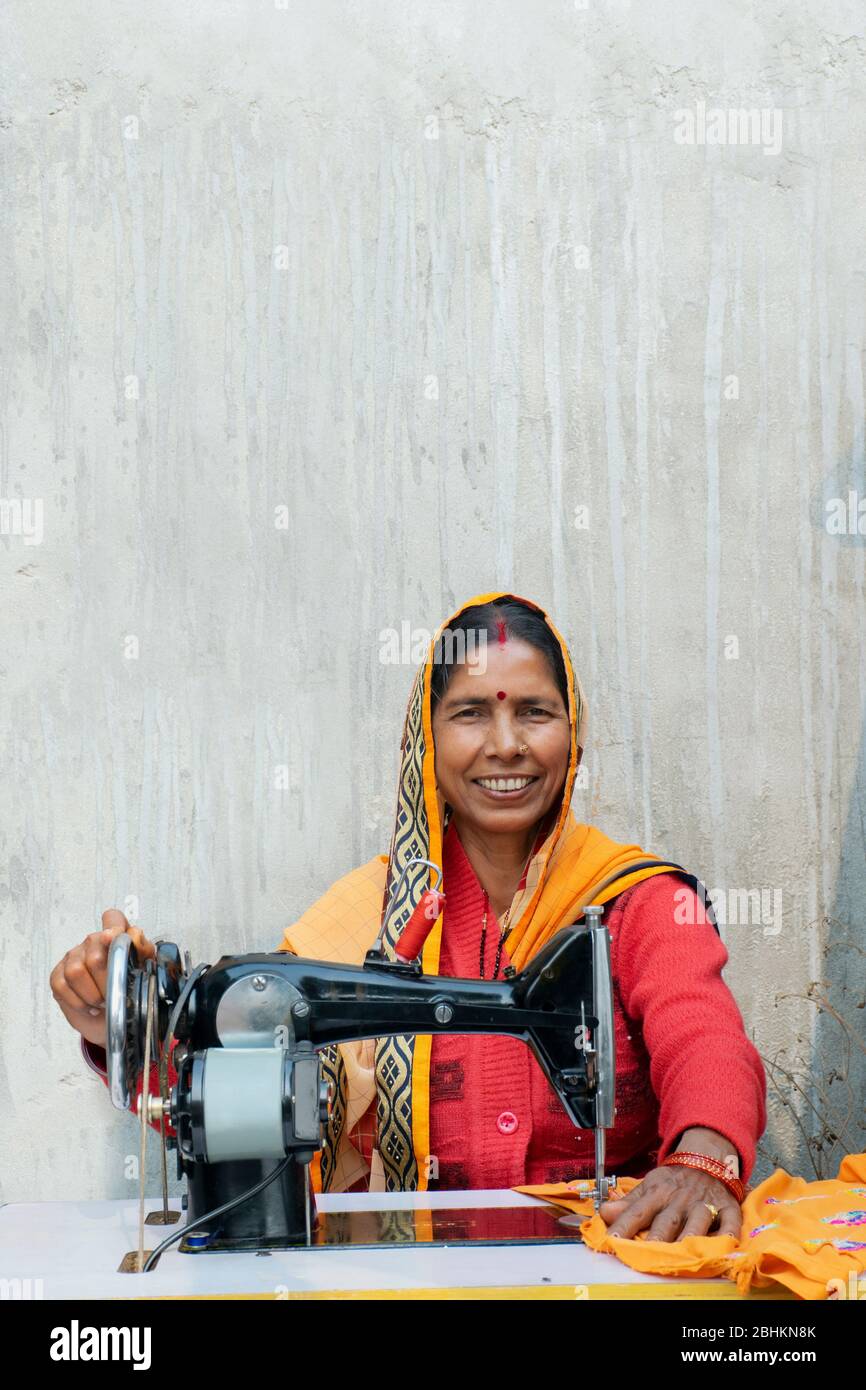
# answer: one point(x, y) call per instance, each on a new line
point(74, 1249)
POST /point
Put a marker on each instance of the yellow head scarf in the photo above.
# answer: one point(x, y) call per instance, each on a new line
point(575, 865)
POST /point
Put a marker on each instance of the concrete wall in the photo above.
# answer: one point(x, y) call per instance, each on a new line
point(449, 285)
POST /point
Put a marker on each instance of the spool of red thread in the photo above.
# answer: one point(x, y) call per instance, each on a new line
point(420, 924)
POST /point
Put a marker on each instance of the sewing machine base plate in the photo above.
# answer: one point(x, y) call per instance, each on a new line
point(422, 1226)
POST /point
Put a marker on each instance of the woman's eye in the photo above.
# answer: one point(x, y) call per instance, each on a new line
point(536, 709)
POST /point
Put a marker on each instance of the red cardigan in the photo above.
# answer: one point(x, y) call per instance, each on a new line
point(682, 1055)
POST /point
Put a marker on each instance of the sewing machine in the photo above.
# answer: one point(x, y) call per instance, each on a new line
point(250, 1103)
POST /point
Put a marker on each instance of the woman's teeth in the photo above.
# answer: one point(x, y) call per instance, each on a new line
point(504, 784)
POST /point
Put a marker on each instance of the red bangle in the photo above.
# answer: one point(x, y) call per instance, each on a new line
point(714, 1166)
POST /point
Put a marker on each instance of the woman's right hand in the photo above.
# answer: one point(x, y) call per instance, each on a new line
point(78, 980)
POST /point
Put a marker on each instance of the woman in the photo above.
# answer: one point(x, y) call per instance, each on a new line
point(493, 737)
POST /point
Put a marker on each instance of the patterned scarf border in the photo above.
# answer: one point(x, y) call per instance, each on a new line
point(395, 1055)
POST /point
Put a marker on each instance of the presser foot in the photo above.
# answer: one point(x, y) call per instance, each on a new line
point(599, 1189)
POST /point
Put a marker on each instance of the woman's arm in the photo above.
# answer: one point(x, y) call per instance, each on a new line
point(706, 1073)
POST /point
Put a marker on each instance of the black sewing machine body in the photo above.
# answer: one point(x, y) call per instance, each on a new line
point(244, 1032)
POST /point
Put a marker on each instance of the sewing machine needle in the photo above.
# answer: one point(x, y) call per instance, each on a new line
point(599, 1166)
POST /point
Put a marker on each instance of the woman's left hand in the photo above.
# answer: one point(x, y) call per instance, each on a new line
point(670, 1202)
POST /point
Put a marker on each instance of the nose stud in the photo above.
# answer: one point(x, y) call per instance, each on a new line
point(524, 748)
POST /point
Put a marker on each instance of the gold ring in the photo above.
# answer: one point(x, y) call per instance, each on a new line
point(714, 1211)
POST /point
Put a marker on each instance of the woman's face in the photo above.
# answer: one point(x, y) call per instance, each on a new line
point(478, 734)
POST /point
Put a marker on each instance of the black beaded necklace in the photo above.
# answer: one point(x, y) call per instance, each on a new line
point(502, 936)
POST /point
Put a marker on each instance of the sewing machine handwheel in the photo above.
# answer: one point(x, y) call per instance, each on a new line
point(125, 1013)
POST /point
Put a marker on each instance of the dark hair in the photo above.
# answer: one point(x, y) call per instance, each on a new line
point(521, 623)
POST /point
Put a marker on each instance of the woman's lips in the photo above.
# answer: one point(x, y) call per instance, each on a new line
point(504, 788)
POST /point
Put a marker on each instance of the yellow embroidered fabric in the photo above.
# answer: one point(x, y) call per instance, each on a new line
point(809, 1237)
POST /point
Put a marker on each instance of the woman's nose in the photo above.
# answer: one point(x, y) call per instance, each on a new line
point(503, 740)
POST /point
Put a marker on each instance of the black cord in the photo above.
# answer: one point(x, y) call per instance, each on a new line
point(218, 1211)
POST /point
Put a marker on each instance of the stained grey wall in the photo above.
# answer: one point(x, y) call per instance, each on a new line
point(319, 319)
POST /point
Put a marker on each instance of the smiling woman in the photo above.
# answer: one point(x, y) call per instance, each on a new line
point(493, 737)
point(491, 744)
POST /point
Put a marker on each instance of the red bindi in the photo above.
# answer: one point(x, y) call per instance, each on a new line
point(500, 694)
